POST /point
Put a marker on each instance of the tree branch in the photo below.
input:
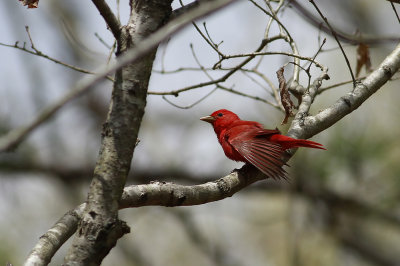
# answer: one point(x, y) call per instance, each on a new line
point(53, 239)
point(169, 195)
point(111, 20)
point(156, 193)
point(308, 126)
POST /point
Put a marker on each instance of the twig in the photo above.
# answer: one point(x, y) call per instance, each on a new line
point(112, 50)
point(321, 90)
point(202, 98)
point(267, 29)
point(164, 52)
point(14, 137)
point(209, 36)
point(191, 105)
point(247, 74)
point(41, 54)
point(288, 37)
point(309, 66)
point(248, 96)
point(221, 79)
point(337, 40)
point(102, 41)
point(344, 37)
point(395, 11)
point(274, 89)
point(312, 60)
point(208, 40)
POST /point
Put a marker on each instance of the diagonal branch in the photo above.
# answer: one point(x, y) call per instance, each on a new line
point(157, 193)
point(13, 138)
point(53, 239)
point(111, 20)
point(311, 125)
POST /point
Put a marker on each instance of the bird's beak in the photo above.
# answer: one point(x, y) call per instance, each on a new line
point(208, 119)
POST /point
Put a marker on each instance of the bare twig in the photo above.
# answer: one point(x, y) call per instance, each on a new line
point(209, 41)
point(395, 11)
point(216, 81)
point(248, 96)
point(275, 91)
point(323, 89)
point(202, 98)
point(337, 40)
point(190, 105)
point(102, 41)
point(311, 60)
point(267, 29)
point(112, 50)
point(288, 38)
point(39, 53)
point(344, 37)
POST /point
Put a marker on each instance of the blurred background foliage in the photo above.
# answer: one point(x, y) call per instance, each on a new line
point(341, 206)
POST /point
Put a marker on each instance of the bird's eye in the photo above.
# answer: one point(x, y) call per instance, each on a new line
point(219, 114)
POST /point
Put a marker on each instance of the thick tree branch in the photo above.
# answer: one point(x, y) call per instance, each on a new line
point(100, 227)
point(157, 193)
point(169, 195)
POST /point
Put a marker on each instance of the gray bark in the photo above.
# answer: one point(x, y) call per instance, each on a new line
point(100, 228)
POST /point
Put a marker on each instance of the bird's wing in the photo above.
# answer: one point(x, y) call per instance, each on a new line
point(263, 154)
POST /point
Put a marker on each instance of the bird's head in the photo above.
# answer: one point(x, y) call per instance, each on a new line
point(220, 119)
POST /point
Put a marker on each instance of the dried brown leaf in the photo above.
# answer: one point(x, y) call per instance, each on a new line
point(285, 96)
point(30, 3)
point(363, 59)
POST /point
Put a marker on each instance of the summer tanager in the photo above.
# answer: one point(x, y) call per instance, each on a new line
point(250, 142)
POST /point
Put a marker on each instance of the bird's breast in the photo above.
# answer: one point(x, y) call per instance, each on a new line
point(229, 150)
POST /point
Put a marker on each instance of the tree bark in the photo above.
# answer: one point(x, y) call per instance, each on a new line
point(100, 228)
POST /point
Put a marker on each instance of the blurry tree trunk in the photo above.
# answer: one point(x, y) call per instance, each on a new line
point(100, 227)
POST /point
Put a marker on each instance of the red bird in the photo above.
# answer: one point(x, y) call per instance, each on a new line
point(250, 142)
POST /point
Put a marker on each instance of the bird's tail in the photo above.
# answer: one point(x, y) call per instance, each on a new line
point(295, 143)
point(289, 143)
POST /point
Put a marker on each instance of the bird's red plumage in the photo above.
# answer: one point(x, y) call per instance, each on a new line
point(248, 141)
